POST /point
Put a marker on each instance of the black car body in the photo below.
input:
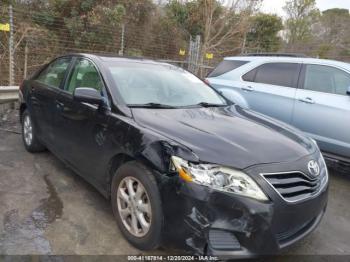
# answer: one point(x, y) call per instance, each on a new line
point(96, 140)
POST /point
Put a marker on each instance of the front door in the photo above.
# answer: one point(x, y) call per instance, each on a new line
point(322, 108)
point(82, 128)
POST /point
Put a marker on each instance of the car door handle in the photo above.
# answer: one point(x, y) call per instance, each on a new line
point(59, 104)
point(62, 107)
point(307, 100)
point(248, 88)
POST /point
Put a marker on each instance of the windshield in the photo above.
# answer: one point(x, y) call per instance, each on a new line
point(165, 85)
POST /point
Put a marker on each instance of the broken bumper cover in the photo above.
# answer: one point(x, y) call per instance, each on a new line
point(211, 222)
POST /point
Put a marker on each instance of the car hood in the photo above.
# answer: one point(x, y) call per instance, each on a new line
point(230, 136)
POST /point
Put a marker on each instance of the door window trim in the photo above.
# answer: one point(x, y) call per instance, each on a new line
point(295, 80)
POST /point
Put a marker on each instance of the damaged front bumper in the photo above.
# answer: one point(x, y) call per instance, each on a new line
point(205, 221)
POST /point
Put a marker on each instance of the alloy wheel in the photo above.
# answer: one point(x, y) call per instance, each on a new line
point(27, 130)
point(134, 206)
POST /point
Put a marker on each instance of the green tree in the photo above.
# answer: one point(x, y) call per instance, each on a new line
point(333, 32)
point(263, 33)
point(95, 24)
point(301, 14)
point(221, 26)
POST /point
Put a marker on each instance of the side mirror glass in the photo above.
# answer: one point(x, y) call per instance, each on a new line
point(88, 95)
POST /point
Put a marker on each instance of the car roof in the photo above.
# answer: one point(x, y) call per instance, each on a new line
point(288, 59)
point(117, 58)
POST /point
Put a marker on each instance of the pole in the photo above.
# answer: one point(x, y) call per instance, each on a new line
point(11, 50)
point(25, 61)
point(197, 48)
point(121, 51)
point(190, 55)
point(244, 43)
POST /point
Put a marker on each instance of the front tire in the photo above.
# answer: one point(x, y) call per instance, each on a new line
point(137, 206)
point(29, 136)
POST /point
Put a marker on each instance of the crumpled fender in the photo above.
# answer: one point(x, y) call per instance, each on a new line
point(155, 149)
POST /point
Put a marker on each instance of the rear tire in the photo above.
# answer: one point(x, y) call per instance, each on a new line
point(29, 136)
point(135, 197)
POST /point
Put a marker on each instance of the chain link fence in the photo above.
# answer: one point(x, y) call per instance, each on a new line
point(37, 39)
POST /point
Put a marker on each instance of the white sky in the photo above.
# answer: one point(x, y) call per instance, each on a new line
point(275, 6)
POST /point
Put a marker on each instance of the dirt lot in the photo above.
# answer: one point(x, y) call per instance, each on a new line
point(46, 209)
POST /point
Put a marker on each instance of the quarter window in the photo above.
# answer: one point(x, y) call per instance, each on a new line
point(280, 74)
point(53, 74)
point(326, 79)
point(226, 66)
point(250, 76)
point(84, 74)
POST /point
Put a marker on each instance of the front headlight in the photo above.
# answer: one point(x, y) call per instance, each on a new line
point(219, 178)
point(323, 165)
point(314, 141)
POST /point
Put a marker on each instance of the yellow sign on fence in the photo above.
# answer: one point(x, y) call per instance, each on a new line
point(182, 52)
point(209, 55)
point(5, 27)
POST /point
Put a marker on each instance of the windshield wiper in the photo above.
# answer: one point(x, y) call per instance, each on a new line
point(206, 104)
point(150, 105)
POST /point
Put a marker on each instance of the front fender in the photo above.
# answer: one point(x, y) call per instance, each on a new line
point(155, 149)
point(234, 96)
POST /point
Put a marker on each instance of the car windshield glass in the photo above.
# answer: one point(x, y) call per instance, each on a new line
point(162, 86)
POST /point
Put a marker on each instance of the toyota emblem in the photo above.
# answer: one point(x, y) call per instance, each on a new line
point(314, 168)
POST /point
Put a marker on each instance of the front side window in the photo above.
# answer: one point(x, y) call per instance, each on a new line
point(280, 74)
point(53, 74)
point(141, 84)
point(84, 74)
point(326, 79)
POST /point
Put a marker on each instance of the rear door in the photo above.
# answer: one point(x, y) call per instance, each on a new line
point(44, 89)
point(322, 107)
point(270, 89)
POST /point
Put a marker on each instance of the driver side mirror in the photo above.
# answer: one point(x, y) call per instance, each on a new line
point(348, 91)
point(88, 95)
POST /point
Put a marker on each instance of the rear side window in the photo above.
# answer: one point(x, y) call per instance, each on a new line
point(280, 74)
point(55, 72)
point(226, 66)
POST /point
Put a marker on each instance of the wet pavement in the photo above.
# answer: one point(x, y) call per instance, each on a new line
point(47, 209)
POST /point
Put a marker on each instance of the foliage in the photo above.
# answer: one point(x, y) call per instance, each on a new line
point(301, 14)
point(332, 34)
point(159, 29)
point(263, 33)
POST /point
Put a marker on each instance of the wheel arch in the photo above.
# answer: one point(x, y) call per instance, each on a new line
point(235, 97)
point(120, 159)
point(22, 108)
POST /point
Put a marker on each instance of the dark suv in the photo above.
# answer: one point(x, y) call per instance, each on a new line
point(179, 162)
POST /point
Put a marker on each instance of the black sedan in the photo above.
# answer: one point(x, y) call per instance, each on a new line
point(179, 163)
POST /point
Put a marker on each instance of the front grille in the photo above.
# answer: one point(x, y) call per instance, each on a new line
point(294, 186)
